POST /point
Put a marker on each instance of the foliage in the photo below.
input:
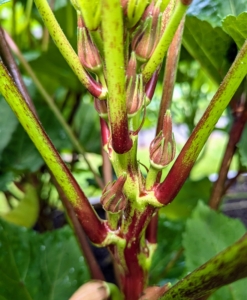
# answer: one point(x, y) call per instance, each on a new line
point(190, 234)
point(34, 266)
point(219, 233)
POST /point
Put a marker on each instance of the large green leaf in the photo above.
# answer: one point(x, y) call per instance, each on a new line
point(20, 154)
point(8, 123)
point(242, 146)
point(86, 126)
point(169, 247)
point(53, 71)
point(213, 11)
point(187, 198)
point(236, 28)
point(207, 233)
point(53, 128)
point(39, 266)
point(209, 46)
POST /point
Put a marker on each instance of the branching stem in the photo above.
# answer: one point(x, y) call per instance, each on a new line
point(169, 188)
point(53, 107)
point(86, 214)
point(165, 41)
point(67, 51)
point(112, 29)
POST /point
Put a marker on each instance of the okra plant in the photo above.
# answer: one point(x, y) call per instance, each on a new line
point(121, 46)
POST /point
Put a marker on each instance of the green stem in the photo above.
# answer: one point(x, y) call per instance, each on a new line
point(54, 109)
point(151, 177)
point(28, 11)
point(95, 228)
point(179, 172)
point(67, 51)
point(127, 163)
point(114, 291)
point(165, 41)
point(112, 29)
point(228, 266)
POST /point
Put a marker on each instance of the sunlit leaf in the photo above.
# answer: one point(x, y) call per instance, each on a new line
point(209, 46)
point(236, 28)
point(29, 206)
point(213, 11)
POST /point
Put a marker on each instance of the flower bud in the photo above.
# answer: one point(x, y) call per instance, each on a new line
point(113, 199)
point(135, 10)
point(134, 94)
point(167, 15)
point(101, 107)
point(92, 290)
point(163, 148)
point(147, 34)
point(90, 11)
point(124, 4)
point(87, 51)
point(150, 87)
point(132, 65)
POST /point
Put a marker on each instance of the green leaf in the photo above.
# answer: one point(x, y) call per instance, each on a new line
point(168, 248)
point(53, 128)
point(236, 28)
point(208, 45)
point(207, 233)
point(86, 126)
point(20, 154)
point(213, 11)
point(242, 147)
point(187, 199)
point(29, 206)
point(5, 178)
point(39, 266)
point(51, 65)
point(8, 123)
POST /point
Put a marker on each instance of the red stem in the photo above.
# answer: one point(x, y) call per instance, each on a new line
point(107, 167)
point(168, 87)
point(151, 84)
point(105, 133)
point(11, 65)
point(132, 274)
point(93, 266)
point(234, 136)
point(151, 233)
point(170, 74)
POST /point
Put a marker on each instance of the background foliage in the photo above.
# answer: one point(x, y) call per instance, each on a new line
point(50, 265)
